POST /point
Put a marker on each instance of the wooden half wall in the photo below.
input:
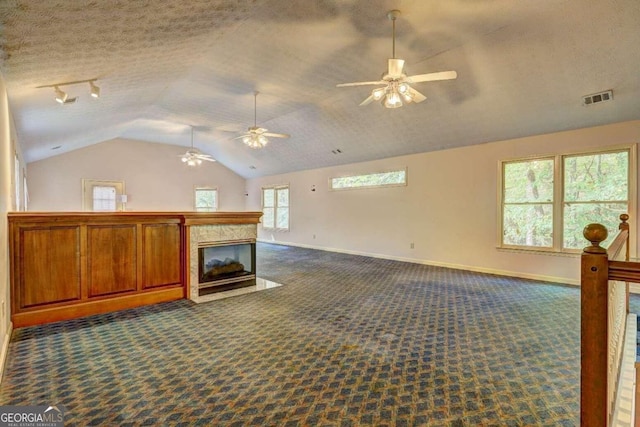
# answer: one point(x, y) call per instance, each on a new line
point(68, 265)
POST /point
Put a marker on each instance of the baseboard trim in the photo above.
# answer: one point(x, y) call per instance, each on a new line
point(508, 273)
point(5, 350)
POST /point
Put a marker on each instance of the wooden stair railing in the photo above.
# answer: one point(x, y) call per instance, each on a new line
point(598, 267)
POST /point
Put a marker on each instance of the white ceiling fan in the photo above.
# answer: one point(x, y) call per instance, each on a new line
point(256, 137)
point(397, 85)
point(193, 156)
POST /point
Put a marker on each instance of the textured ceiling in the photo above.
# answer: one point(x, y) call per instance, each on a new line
point(163, 66)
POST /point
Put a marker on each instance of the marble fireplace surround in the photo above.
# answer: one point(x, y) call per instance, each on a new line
point(217, 228)
point(202, 235)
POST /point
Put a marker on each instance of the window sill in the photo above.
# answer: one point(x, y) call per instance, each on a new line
point(540, 252)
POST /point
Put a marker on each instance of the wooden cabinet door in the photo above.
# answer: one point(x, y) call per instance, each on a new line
point(111, 259)
point(50, 265)
point(161, 259)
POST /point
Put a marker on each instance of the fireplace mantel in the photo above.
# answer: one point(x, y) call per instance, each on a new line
point(65, 265)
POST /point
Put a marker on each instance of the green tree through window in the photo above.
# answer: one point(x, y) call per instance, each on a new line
point(528, 203)
point(594, 188)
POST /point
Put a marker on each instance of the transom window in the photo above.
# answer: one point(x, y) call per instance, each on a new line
point(547, 202)
point(381, 179)
point(275, 208)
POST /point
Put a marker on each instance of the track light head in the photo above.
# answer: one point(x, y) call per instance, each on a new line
point(61, 96)
point(95, 90)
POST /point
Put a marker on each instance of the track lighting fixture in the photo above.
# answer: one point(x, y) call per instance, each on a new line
point(63, 98)
point(95, 90)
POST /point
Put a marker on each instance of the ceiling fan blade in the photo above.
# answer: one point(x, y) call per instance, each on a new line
point(276, 135)
point(242, 136)
point(395, 68)
point(379, 82)
point(367, 101)
point(415, 95)
point(443, 75)
point(207, 158)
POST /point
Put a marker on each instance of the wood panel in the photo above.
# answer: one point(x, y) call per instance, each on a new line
point(111, 260)
point(50, 265)
point(161, 255)
point(96, 306)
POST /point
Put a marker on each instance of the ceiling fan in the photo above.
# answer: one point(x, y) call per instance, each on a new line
point(193, 156)
point(397, 85)
point(256, 137)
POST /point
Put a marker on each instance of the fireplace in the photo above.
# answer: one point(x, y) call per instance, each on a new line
point(226, 265)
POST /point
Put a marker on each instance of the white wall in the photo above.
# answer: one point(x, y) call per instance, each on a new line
point(8, 146)
point(155, 178)
point(448, 210)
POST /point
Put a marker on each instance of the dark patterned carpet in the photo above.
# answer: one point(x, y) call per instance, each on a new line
point(346, 341)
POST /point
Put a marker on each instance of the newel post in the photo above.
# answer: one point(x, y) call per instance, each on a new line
point(624, 226)
point(593, 329)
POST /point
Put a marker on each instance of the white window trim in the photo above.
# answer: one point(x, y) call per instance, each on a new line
point(558, 200)
point(365, 187)
point(17, 177)
point(87, 183)
point(275, 207)
point(204, 187)
point(25, 192)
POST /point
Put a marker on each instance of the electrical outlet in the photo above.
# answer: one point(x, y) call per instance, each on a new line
point(314, 236)
point(412, 245)
point(3, 309)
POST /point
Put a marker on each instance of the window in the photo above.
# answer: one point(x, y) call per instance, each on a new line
point(596, 189)
point(527, 211)
point(16, 180)
point(275, 207)
point(26, 193)
point(206, 199)
point(102, 196)
point(382, 179)
point(547, 202)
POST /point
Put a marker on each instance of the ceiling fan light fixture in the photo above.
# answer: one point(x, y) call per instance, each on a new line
point(378, 93)
point(255, 140)
point(397, 85)
point(193, 156)
point(393, 100)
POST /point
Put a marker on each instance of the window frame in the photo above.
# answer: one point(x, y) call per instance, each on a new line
point(275, 189)
point(501, 204)
point(17, 177)
point(363, 187)
point(25, 192)
point(197, 188)
point(558, 202)
point(87, 193)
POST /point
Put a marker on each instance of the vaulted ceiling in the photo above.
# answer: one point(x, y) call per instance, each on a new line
point(163, 66)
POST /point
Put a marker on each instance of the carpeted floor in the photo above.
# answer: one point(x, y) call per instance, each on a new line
point(346, 341)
